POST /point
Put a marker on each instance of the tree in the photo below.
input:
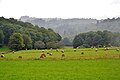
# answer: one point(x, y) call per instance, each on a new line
point(10, 26)
point(99, 38)
point(78, 41)
point(1, 38)
point(107, 37)
point(39, 45)
point(60, 44)
point(16, 41)
point(8, 30)
point(39, 36)
point(27, 42)
point(51, 45)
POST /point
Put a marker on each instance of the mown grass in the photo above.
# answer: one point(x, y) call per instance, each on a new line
point(89, 53)
point(92, 65)
point(100, 69)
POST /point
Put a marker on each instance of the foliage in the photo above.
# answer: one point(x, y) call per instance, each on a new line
point(30, 32)
point(39, 45)
point(99, 38)
point(16, 42)
point(60, 44)
point(27, 42)
point(54, 45)
point(1, 38)
point(51, 45)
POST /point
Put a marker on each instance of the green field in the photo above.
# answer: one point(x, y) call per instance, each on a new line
point(92, 65)
point(69, 53)
point(101, 69)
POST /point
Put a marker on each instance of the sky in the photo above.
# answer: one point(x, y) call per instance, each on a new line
point(97, 9)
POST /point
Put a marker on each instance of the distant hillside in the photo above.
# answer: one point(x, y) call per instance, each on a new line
point(71, 27)
point(109, 24)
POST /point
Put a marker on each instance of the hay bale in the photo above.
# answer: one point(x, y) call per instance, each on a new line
point(57, 50)
point(117, 50)
point(75, 50)
point(62, 51)
point(51, 49)
point(13, 52)
point(2, 56)
point(106, 49)
point(63, 55)
point(96, 50)
point(2, 53)
point(50, 54)
point(42, 55)
point(19, 56)
point(82, 52)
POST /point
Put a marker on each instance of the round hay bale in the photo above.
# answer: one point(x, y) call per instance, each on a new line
point(48, 53)
point(2, 56)
point(63, 55)
point(51, 54)
point(75, 50)
point(62, 51)
point(96, 50)
point(19, 56)
point(57, 50)
point(42, 55)
point(82, 52)
point(51, 49)
point(117, 50)
point(13, 52)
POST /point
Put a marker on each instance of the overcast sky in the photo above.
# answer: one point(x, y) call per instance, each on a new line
point(98, 9)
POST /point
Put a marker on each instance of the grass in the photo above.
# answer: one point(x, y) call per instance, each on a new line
point(100, 69)
point(4, 49)
point(92, 65)
point(89, 53)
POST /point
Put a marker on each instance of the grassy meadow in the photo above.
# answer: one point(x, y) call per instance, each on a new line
point(70, 54)
point(92, 65)
point(100, 69)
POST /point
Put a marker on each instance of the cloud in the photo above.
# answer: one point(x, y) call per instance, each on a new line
point(0, 1)
point(116, 2)
point(60, 8)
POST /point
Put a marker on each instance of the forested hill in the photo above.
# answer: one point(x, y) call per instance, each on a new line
point(34, 34)
point(71, 27)
point(65, 27)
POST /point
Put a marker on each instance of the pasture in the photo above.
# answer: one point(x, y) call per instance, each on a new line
point(94, 64)
point(100, 69)
point(70, 54)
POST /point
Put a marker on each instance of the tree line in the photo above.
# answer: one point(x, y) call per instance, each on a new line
point(97, 39)
point(19, 35)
